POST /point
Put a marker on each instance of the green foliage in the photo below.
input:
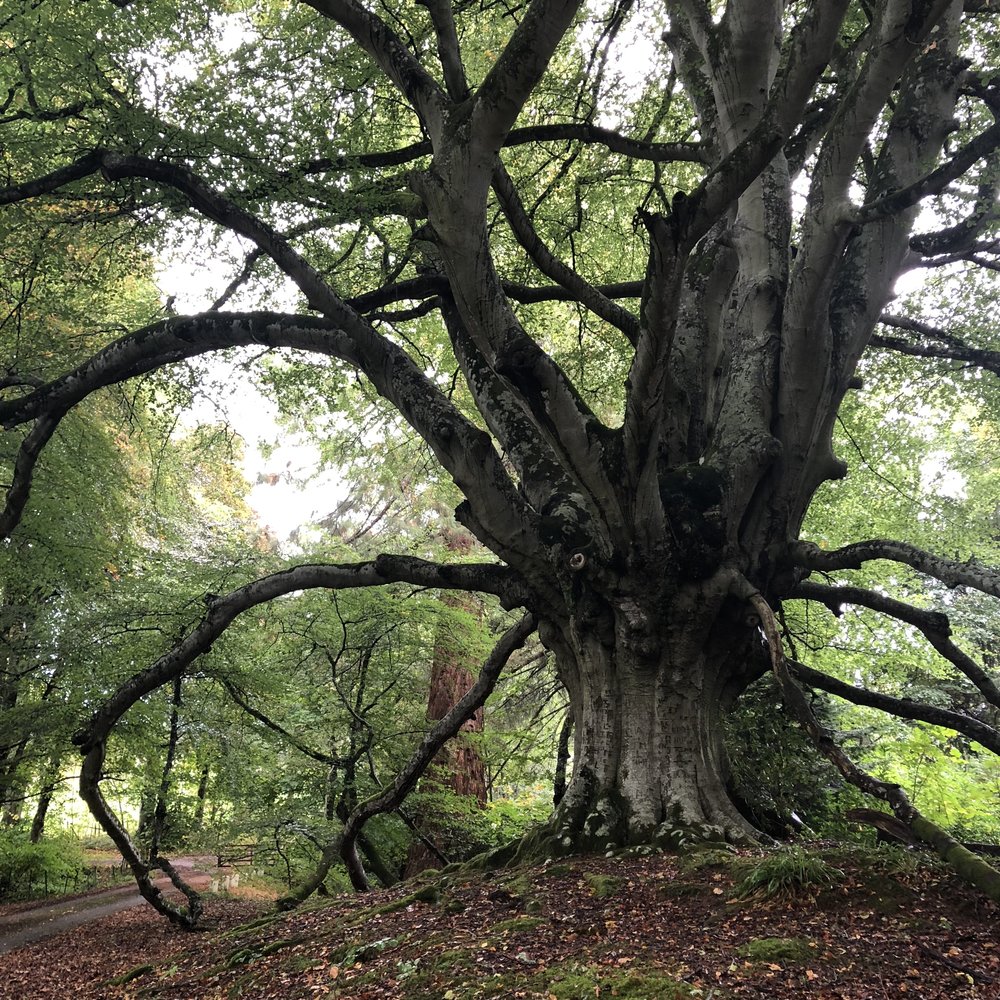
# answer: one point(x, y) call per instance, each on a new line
point(776, 772)
point(777, 950)
point(29, 869)
point(470, 829)
point(603, 886)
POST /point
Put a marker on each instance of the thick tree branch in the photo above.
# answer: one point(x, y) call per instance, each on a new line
point(582, 132)
point(806, 56)
point(921, 329)
point(949, 571)
point(512, 78)
point(24, 469)
point(432, 285)
point(392, 56)
point(903, 708)
point(636, 149)
point(976, 357)
point(461, 447)
point(394, 793)
point(935, 626)
point(449, 51)
point(223, 611)
point(85, 166)
point(980, 148)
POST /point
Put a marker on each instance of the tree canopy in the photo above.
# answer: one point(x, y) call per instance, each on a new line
point(629, 276)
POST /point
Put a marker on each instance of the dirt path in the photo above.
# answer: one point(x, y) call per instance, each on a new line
point(39, 922)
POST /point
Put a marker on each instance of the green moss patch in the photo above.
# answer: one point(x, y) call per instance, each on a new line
point(583, 982)
point(776, 949)
point(603, 886)
point(132, 974)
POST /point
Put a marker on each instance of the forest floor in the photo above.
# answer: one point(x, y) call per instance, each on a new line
point(870, 926)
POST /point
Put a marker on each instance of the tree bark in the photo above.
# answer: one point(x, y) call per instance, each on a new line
point(649, 761)
point(50, 776)
point(458, 766)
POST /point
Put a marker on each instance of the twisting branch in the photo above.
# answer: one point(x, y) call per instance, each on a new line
point(949, 571)
point(343, 845)
point(485, 577)
point(551, 266)
point(459, 445)
point(92, 738)
point(970, 867)
point(903, 708)
point(933, 624)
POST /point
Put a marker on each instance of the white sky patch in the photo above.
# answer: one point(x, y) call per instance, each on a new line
point(280, 495)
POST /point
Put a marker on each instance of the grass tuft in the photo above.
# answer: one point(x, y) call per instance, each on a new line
point(787, 872)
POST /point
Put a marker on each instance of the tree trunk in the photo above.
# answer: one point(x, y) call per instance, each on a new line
point(48, 786)
point(458, 767)
point(199, 809)
point(649, 763)
point(159, 821)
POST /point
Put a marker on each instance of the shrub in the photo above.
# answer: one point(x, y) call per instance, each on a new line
point(51, 865)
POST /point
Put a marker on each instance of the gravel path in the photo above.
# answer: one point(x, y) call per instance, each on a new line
point(42, 921)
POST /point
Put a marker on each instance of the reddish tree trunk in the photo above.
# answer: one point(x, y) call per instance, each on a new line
point(458, 767)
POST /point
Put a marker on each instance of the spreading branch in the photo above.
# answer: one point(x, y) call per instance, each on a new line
point(903, 708)
point(342, 846)
point(933, 624)
point(949, 571)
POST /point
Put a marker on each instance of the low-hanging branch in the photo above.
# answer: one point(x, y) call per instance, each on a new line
point(343, 845)
point(903, 708)
point(223, 611)
point(92, 738)
point(969, 866)
point(949, 571)
point(934, 625)
point(461, 447)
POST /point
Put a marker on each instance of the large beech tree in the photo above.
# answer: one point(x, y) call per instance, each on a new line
point(656, 289)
